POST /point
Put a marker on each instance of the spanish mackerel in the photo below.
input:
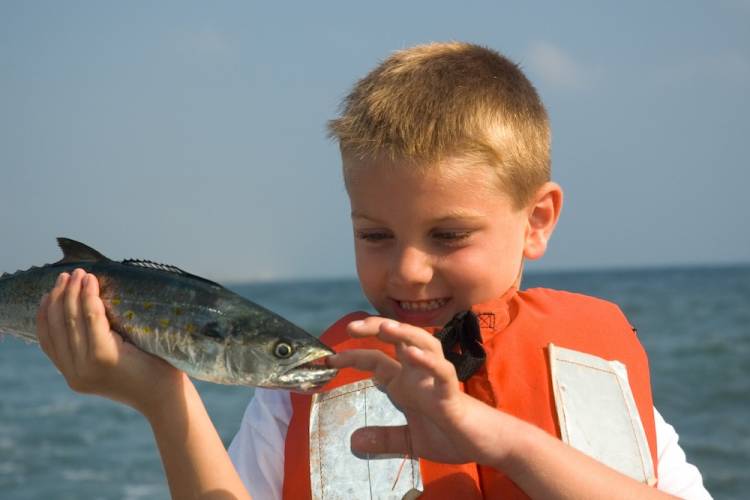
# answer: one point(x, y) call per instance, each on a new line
point(195, 324)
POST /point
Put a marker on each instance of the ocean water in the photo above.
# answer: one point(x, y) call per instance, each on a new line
point(694, 323)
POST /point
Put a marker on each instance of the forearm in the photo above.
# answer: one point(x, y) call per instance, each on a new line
point(195, 461)
point(545, 467)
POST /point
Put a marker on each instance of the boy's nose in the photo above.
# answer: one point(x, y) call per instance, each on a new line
point(411, 266)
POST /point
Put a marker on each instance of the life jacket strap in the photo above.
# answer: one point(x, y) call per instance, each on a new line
point(462, 344)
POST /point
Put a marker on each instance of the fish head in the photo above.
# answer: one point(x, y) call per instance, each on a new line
point(265, 350)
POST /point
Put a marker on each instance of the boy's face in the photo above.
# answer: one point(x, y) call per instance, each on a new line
point(429, 245)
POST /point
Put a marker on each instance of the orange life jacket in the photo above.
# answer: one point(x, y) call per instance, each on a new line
point(516, 330)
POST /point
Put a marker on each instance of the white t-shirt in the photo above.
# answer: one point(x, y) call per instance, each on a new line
point(258, 450)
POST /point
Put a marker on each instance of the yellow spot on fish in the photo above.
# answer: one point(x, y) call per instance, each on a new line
point(129, 315)
point(146, 329)
point(190, 328)
point(164, 322)
point(147, 305)
point(116, 302)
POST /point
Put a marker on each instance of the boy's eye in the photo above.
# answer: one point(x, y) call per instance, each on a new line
point(451, 237)
point(373, 236)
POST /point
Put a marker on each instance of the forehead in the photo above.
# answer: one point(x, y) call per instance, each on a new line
point(442, 190)
point(437, 175)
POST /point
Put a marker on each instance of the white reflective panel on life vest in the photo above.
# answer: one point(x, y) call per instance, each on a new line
point(336, 473)
point(597, 412)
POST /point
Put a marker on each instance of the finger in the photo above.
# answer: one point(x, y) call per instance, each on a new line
point(382, 441)
point(57, 330)
point(438, 368)
point(367, 327)
point(73, 318)
point(42, 328)
point(361, 359)
point(383, 367)
point(395, 333)
point(95, 317)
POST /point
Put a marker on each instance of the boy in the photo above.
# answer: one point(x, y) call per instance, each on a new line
point(445, 152)
point(446, 161)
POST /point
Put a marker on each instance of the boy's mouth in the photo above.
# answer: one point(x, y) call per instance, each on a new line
point(421, 305)
point(420, 312)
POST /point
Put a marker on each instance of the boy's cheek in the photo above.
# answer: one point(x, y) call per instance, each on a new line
point(370, 270)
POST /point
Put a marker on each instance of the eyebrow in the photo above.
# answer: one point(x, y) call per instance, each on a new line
point(357, 215)
point(453, 215)
point(462, 215)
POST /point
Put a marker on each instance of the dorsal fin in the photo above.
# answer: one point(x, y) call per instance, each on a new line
point(149, 264)
point(75, 251)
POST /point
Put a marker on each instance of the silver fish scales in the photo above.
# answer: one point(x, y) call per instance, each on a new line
point(195, 324)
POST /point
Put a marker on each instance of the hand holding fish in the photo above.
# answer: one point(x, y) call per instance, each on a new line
point(101, 319)
point(74, 332)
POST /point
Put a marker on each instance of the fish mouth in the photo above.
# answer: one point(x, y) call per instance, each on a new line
point(310, 374)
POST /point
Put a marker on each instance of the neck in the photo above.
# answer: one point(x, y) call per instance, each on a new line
point(517, 283)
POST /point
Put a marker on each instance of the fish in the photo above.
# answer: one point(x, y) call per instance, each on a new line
point(195, 324)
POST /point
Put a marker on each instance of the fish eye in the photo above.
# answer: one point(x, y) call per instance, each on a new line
point(283, 350)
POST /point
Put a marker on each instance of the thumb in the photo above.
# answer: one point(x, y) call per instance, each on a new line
point(381, 441)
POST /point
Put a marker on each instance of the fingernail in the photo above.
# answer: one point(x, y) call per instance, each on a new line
point(357, 324)
point(44, 297)
point(85, 281)
point(60, 279)
point(391, 324)
point(361, 440)
point(363, 435)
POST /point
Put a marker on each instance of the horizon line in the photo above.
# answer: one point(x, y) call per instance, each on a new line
point(624, 268)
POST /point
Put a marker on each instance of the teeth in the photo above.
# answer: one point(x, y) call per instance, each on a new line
point(422, 305)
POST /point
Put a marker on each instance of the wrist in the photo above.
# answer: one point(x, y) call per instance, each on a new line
point(524, 442)
point(497, 448)
point(509, 448)
point(167, 399)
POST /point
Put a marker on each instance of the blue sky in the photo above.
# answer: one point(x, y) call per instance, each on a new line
point(193, 132)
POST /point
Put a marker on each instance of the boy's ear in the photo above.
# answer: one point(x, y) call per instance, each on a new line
point(543, 213)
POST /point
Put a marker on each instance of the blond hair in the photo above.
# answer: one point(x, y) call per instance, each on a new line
point(450, 100)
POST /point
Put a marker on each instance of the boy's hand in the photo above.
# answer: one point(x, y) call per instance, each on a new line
point(73, 331)
point(443, 423)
